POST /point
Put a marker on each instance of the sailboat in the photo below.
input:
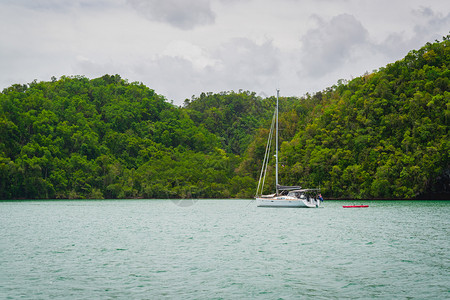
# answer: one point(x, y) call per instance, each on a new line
point(285, 196)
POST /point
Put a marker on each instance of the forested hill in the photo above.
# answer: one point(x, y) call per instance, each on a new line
point(234, 117)
point(106, 138)
point(381, 135)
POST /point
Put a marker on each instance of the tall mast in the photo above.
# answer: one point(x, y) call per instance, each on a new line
point(276, 145)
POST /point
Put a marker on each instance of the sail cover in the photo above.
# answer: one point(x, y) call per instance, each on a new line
point(288, 188)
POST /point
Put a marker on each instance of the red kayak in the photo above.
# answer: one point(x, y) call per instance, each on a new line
point(350, 206)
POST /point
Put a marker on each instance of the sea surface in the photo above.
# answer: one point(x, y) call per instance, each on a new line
point(223, 249)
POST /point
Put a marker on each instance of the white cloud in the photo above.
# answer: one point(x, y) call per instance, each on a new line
point(246, 63)
point(186, 14)
point(331, 44)
point(236, 64)
point(429, 21)
point(428, 27)
point(195, 54)
point(60, 5)
point(182, 48)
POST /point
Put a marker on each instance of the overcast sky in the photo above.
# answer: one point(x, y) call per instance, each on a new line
point(181, 48)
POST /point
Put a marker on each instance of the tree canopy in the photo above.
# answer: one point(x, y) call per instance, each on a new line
point(105, 137)
point(380, 135)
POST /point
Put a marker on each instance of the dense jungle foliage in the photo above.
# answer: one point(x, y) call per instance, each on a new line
point(106, 138)
point(381, 135)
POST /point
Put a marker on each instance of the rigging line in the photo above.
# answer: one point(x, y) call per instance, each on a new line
point(261, 176)
point(267, 161)
point(264, 161)
point(265, 164)
point(265, 169)
point(259, 188)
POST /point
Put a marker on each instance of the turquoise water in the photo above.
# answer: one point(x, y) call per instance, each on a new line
point(223, 249)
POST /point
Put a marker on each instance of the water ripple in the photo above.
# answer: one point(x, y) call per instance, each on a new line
point(214, 249)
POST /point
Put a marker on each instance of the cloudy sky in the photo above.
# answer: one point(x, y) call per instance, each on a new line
point(181, 48)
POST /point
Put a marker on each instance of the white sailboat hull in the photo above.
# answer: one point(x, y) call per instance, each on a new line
point(285, 196)
point(286, 202)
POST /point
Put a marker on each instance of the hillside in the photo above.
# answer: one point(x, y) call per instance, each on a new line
point(235, 117)
point(104, 138)
point(381, 135)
